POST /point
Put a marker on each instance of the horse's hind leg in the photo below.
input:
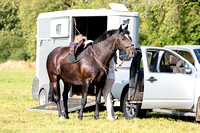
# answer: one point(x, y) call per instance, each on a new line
point(56, 89)
point(84, 98)
point(65, 99)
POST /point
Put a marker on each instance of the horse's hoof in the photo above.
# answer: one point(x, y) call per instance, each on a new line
point(62, 118)
point(116, 117)
point(96, 117)
point(80, 117)
point(67, 117)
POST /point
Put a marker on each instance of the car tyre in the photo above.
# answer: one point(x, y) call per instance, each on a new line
point(198, 111)
point(42, 97)
point(131, 111)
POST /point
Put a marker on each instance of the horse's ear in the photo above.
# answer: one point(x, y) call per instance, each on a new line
point(120, 29)
point(126, 28)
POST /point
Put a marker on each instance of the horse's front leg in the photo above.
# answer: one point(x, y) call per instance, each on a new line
point(98, 101)
point(84, 98)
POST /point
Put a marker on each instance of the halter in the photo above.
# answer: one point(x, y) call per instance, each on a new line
point(104, 67)
point(131, 45)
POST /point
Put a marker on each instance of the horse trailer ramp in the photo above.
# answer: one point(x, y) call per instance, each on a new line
point(74, 104)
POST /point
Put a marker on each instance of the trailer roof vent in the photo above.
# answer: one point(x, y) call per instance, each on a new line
point(118, 7)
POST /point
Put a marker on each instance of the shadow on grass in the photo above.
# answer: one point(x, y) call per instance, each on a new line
point(170, 116)
point(149, 114)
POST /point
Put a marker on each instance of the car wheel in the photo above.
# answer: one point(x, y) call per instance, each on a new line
point(130, 110)
point(42, 97)
point(198, 111)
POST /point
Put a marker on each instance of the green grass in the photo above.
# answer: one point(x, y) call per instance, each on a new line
point(16, 98)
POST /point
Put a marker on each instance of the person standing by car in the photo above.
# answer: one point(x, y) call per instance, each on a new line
point(107, 89)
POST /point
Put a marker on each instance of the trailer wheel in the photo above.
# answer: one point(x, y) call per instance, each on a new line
point(42, 97)
point(131, 111)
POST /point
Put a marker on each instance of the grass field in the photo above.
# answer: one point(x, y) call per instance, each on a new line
point(16, 98)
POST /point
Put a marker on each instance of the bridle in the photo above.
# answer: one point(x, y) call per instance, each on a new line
point(104, 67)
point(131, 45)
point(120, 42)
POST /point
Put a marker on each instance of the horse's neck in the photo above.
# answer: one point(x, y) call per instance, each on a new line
point(105, 50)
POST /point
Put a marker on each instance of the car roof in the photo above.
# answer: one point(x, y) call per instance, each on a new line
point(176, 47)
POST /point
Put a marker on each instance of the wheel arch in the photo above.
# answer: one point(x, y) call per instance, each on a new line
point(44, 87)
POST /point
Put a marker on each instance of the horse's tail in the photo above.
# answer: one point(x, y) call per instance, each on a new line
point(51, 94)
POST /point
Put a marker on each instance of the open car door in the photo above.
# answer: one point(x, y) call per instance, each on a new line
point(169, 79)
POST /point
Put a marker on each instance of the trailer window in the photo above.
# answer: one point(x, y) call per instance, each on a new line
point(60, 27)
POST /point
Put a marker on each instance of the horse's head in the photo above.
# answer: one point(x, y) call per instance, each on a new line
point(123, 41)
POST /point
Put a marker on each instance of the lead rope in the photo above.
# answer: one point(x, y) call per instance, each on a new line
point(76, 29)
point(121, 62)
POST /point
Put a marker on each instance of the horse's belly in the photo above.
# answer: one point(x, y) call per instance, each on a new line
point(72, 79)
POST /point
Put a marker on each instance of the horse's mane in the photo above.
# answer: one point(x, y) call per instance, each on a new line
point(108, 34)
point(104, 36)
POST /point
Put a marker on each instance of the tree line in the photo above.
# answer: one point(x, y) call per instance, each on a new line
point(162, 22)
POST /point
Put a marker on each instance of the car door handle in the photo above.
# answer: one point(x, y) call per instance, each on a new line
point(151, 79)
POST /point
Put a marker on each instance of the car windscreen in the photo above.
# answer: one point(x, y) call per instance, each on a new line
point(197, 53)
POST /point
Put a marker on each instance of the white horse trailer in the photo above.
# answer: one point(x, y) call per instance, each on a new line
point(57, 29)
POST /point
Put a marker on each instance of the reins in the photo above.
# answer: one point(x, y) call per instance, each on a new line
point(99, 61)
point(104, 67)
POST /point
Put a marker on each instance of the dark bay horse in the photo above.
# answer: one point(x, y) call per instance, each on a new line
point(88, 71)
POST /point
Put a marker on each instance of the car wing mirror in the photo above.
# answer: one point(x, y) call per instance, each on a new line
point(188, 69)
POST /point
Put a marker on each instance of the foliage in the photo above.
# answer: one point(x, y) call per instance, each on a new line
point(12, 47)
point(162, 22)
point(191, 21)
point(28, 13)
point(92, 4)
point(8, 17)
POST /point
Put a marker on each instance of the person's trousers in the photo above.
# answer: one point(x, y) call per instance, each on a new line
point(108, 97)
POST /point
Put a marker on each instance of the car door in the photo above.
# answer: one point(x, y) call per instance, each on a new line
point(164, 88)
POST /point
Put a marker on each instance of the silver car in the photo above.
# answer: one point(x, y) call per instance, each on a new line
point(170, 83)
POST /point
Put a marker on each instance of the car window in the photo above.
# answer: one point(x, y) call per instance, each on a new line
point(197, 53)
point(187, 55)
point(164, 61)
point(152, 59)
point(168, 62)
